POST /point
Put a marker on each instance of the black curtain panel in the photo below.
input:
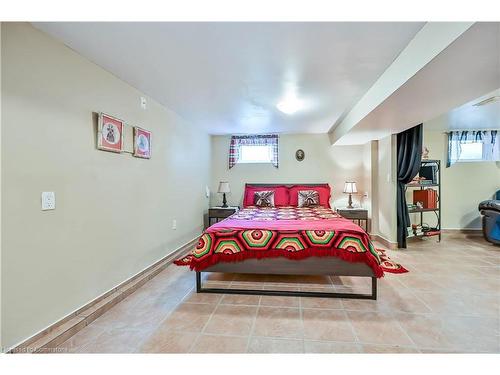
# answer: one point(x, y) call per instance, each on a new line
point(409, 145)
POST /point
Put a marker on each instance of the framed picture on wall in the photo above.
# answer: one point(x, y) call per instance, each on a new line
point(142, 143)
point(110, 133)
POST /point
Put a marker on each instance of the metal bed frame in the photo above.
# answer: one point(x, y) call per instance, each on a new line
point(287, 293)
point(325, 266)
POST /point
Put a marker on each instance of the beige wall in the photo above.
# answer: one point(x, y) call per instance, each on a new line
point(374, 186)
point(113, 213)
point(367, 170)
point(322, 163)
point(384, 187)
point(1, 277)
point(464, 185)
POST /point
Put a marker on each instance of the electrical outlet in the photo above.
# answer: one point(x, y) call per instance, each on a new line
point(174, 224)
point(48, 200)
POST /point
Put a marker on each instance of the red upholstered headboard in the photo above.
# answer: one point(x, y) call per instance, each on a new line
point(287, 185)
point(282, 189)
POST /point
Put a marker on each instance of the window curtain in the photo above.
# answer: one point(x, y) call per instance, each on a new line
point(253, 140)
point(489, 139)
point(409, 153)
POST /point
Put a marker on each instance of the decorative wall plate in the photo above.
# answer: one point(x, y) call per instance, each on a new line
point(300, 155)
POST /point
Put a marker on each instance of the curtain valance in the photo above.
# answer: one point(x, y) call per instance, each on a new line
point(237, 141)
point(489, 139)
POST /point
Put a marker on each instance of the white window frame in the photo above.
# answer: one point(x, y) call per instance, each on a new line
point(490, 146)
point(464, 160)
point(256, 161)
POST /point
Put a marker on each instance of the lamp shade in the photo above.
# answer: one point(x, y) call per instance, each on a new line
point(350, 187)
point(224, 187)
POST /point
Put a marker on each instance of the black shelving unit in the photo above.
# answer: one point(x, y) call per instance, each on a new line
point(422, 186)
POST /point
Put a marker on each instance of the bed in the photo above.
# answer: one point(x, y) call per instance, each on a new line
point(285, 239)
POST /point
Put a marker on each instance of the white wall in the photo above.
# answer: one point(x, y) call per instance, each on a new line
point(322, 163)
point(374, 186)
point(114, 212)
point(384, 184)
point(463, 186)
point(1, 276)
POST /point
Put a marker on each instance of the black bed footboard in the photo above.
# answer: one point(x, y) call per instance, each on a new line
point(372, 296)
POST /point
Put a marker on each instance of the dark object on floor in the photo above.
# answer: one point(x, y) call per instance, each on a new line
point(490, 210)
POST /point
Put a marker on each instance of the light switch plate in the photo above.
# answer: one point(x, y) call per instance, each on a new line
point(48, 200)
point(143, 102)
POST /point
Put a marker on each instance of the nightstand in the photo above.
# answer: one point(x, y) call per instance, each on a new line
point(355, 214)
point(219, 213)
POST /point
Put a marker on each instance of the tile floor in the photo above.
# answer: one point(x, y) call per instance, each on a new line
point(449, 302)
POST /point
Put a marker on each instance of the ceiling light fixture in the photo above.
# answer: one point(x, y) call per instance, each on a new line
point(487, 101)
point(290, 105)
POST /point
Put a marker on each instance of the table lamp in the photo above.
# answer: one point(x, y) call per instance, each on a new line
point(224, 188)
point(350, 188)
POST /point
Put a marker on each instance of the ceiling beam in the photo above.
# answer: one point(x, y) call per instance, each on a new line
point(430, 41)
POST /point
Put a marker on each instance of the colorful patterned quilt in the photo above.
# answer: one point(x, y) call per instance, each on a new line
point(291, 232)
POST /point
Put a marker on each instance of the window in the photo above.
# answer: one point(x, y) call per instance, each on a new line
point(471, 151)
point(473, 146)
point(253, 149)
point(256, 154)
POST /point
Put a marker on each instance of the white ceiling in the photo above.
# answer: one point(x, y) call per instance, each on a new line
point(469, 116)
point(228, 77)
point(466, 69)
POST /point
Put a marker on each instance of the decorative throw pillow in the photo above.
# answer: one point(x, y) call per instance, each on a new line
point(281, 196)
point(308, 198)
point(323, 190)
point(264, 198)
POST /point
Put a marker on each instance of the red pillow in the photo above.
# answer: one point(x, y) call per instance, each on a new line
point(280, 195)
point(323, 191)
